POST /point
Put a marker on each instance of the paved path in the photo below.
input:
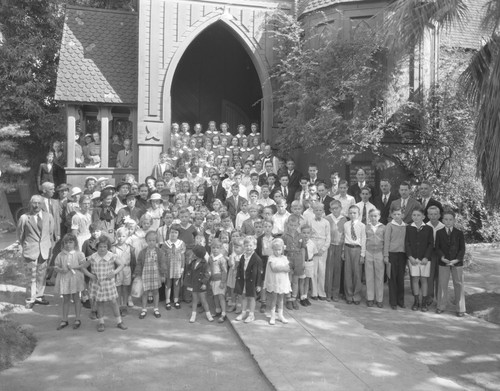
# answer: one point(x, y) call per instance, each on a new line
point(153, 354)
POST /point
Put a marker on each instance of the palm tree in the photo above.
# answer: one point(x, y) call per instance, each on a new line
point(405, 24)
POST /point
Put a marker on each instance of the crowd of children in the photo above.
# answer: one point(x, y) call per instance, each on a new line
point(221, 218)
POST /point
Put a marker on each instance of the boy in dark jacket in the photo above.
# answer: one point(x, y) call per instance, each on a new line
point(196, 280)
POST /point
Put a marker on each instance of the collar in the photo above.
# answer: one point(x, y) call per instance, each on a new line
point(217, 257)
point(415, 225)
point(398, 225)
point(437, 227)
point(378, 224)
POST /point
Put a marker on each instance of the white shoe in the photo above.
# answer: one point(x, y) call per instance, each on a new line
point(209, 317)
point(130, 302)
point(250, 318)
point(272, 321)
point(193, 318)
point(281, 318)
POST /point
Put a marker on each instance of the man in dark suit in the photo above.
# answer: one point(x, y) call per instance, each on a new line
point(268, 167)
point(427, 200)
point(293, 175)
point(214, 191)
point(406, 203)
point(234, 202)
point(312, 174)
point(286, 191)
point(324, 198)
point(35, 232)
point(384, 200)
point(355, 189)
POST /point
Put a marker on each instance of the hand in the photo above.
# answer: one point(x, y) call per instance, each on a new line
point(453, 262)
point(258, 289)
point(386, 260)
point(110, 275)
point(362, 260)
point(93, 277)
point(162, 279)
point(320, 251)
point(203, 287)
point(446, 261)
point(222, 285)
point(413, 261)
point(424, 261)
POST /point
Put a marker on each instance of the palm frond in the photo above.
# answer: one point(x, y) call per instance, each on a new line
point(491, 12)
point(406, 21)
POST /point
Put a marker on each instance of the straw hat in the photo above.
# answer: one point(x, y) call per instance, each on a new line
point(155, 197)
point(75, 190)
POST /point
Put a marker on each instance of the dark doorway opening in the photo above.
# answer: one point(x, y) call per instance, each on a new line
point(216, 80)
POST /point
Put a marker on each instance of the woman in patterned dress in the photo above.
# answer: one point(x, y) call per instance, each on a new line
point(102, 285)
point(151, 266)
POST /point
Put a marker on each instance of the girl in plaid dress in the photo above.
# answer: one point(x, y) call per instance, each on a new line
point(102, 285)
point(174, 249)
point(151, 266)
point(125, 254)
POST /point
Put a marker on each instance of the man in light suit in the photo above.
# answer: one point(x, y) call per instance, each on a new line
point(406, 203)
point(124, 158)
point(35, 231)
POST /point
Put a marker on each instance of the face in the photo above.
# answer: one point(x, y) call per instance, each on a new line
point(91, 184)
point(244, 207)
point(96, 233)
point(146, 224)
point(173, 235)
point(253, 128)
point(253, 213)
point(433, 215)
point(124, 190)
point(448, 220)
point(238, 249)
point(248, 247)
point(417, 217)
point(85, 205)
point(258, 165)
point(397, 216)
point(69, 246)
point(374, 218)
point(107, 201)
point(425, 190)
point(293, 226)
point(267, 213)
point(184, 218)
point(385, 187)
point(49, 191)
point(102, 248)
point(365, 196)
point(322, 191)
point(296, 210)
point(404, 191)
point(143, 192)
point(97, 138)
point(151, 183)
point(151, 241)
point(167, 219)
point(185, 128)
point(223, 127)
point(281, 208)
point(269, 167)
point(214, 179)
point(284, 181)
point(360, 176)
point(211, 126)
point(50, 157)
point(253, 198)
point(259, 229)
point(306, 233)
point(313, 171)
point(343, 190)
point(237, 179)
point(270, 181)
point(197, 128)
point(334, 179)
point(131, 202)
point(121, 237)
point(318, 211)
point(160, 185)
point(336, 209)
point(267, 150)
point(277, 250)
point(268, 227)
point(353, 214)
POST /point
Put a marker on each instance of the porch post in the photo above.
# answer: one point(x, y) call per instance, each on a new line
point(135, 145)
point(104, 116)
point(70, 149)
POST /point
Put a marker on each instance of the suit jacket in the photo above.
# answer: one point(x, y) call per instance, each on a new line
point(419, 244)
point(45, 175)
point(263, 179)
point(385, 210)
point(355, 191)
point(247, 227)
point(209, 196)
point(251, 278)
point(34, 242)
point(452, 247)
point(56, 214)
point(231, 208)
point(294, 180)
point(431, 202)
point(411, 205)
point(290, 193)
point(123, 160)
point(326, 202)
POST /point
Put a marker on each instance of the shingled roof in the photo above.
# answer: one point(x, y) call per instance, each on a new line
point(306, 6)
point(98, 57)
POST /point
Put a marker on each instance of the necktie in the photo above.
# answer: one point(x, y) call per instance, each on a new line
point(285, 193)
point(363, 219)
point(353, 232)
point(385, 200)
point(39, 223)
point(448, 232)
point(214, 189)
point(50, 206)
point(236, 203)
point(403, 206)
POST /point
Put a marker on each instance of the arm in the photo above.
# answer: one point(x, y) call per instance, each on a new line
point(328, 236)
point(206, 275)
point(223, 268)
point(118, 160)
point(58, 265)
point(408, 246)
point(430, 245)
point(387, 239)
point(260, 272)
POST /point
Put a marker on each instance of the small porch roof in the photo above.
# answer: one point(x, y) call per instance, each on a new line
point(98, 57)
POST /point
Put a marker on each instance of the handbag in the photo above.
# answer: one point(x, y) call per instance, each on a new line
point(137, 288)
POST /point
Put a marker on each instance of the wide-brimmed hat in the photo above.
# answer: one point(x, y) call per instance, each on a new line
point(90, 177)
point(121, 184)
point(102, 179)
point(75, 190)
point(96, 195)
point(62, 187)
point(155, 197)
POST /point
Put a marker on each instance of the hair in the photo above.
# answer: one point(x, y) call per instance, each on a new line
point(70, 238)
point(395, 209)
point(293, 219)
point(433, 207)
point(253, 206)
point(121, 230)
point(373, 210)
point(176, 227)
point(250, 240)
point(420, 210)
point(335, 202)
point(343, 182)
point(253, 192)
point(144, 217)
point(103, 239)
point(277, 242)
point(224, 216)
point(149, 233)
point(405, 183)
point(318, 205)
point(297, 203)
point(269, 221)
point(367, 189)
point(313, 165)
point(85, 198)
point(304, 227)
point(354, 207)
point(449, 212)
point(96, 226)
point(385, 180)
point(216, 243)
point(426, 182)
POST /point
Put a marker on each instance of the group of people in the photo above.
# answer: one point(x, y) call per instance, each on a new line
point(222, 218)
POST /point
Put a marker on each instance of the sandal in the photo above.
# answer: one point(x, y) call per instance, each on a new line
point(157, 314)
point(168, 306)
point(62, 325)
point(177, 305)
point(143, 314)
point(77, 324)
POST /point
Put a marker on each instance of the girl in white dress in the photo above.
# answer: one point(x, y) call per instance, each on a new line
point(277, 281)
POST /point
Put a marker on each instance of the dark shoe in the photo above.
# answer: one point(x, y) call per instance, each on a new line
point(303, 303)
point(143, 314)
point(100, 327)
point(416, 304)
point(380, 304)
point(356, 302)
point(168, 306)
point(41, 301)
point(263, 308)
point(77, 324)
point(86, 304)
point(322, 298)
point(121, 326)
point(369, 303)
point(460, 314)
point(401, 305)
point(424, 307)
point(394, 307)
point(314, 297)
point(308, 303)
point(335, 299)
point(177, 305)
point(295, 304)
point(49, 283)
point(348, 301)
point(289, 305)
point(157, 314)
point(438, 311)
point(222, 319)
point(62, 325)
point(429, 301)
point(328, 299)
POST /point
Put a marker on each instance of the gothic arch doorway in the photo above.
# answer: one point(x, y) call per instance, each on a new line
point(216, 79)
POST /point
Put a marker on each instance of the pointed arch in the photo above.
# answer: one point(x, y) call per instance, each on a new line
point(250, 46)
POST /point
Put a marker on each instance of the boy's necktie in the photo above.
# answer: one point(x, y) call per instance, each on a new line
point(353, 232)
point(363, 219)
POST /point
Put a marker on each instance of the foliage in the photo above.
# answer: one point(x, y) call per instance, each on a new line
point(326, 95)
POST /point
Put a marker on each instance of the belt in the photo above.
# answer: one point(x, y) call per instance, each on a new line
point(353, 245)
